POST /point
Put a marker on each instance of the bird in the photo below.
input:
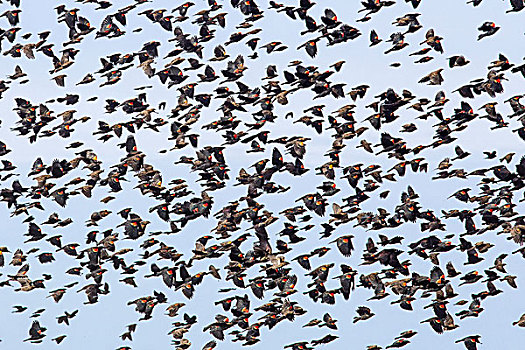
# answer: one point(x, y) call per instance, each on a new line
point(520, 322)
point(487, 29)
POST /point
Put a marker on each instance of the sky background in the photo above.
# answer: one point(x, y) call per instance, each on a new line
point(101, 324)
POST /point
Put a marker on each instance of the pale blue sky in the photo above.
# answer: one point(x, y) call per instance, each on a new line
point(101, 324)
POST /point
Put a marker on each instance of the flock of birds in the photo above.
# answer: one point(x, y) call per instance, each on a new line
point(257, 251)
